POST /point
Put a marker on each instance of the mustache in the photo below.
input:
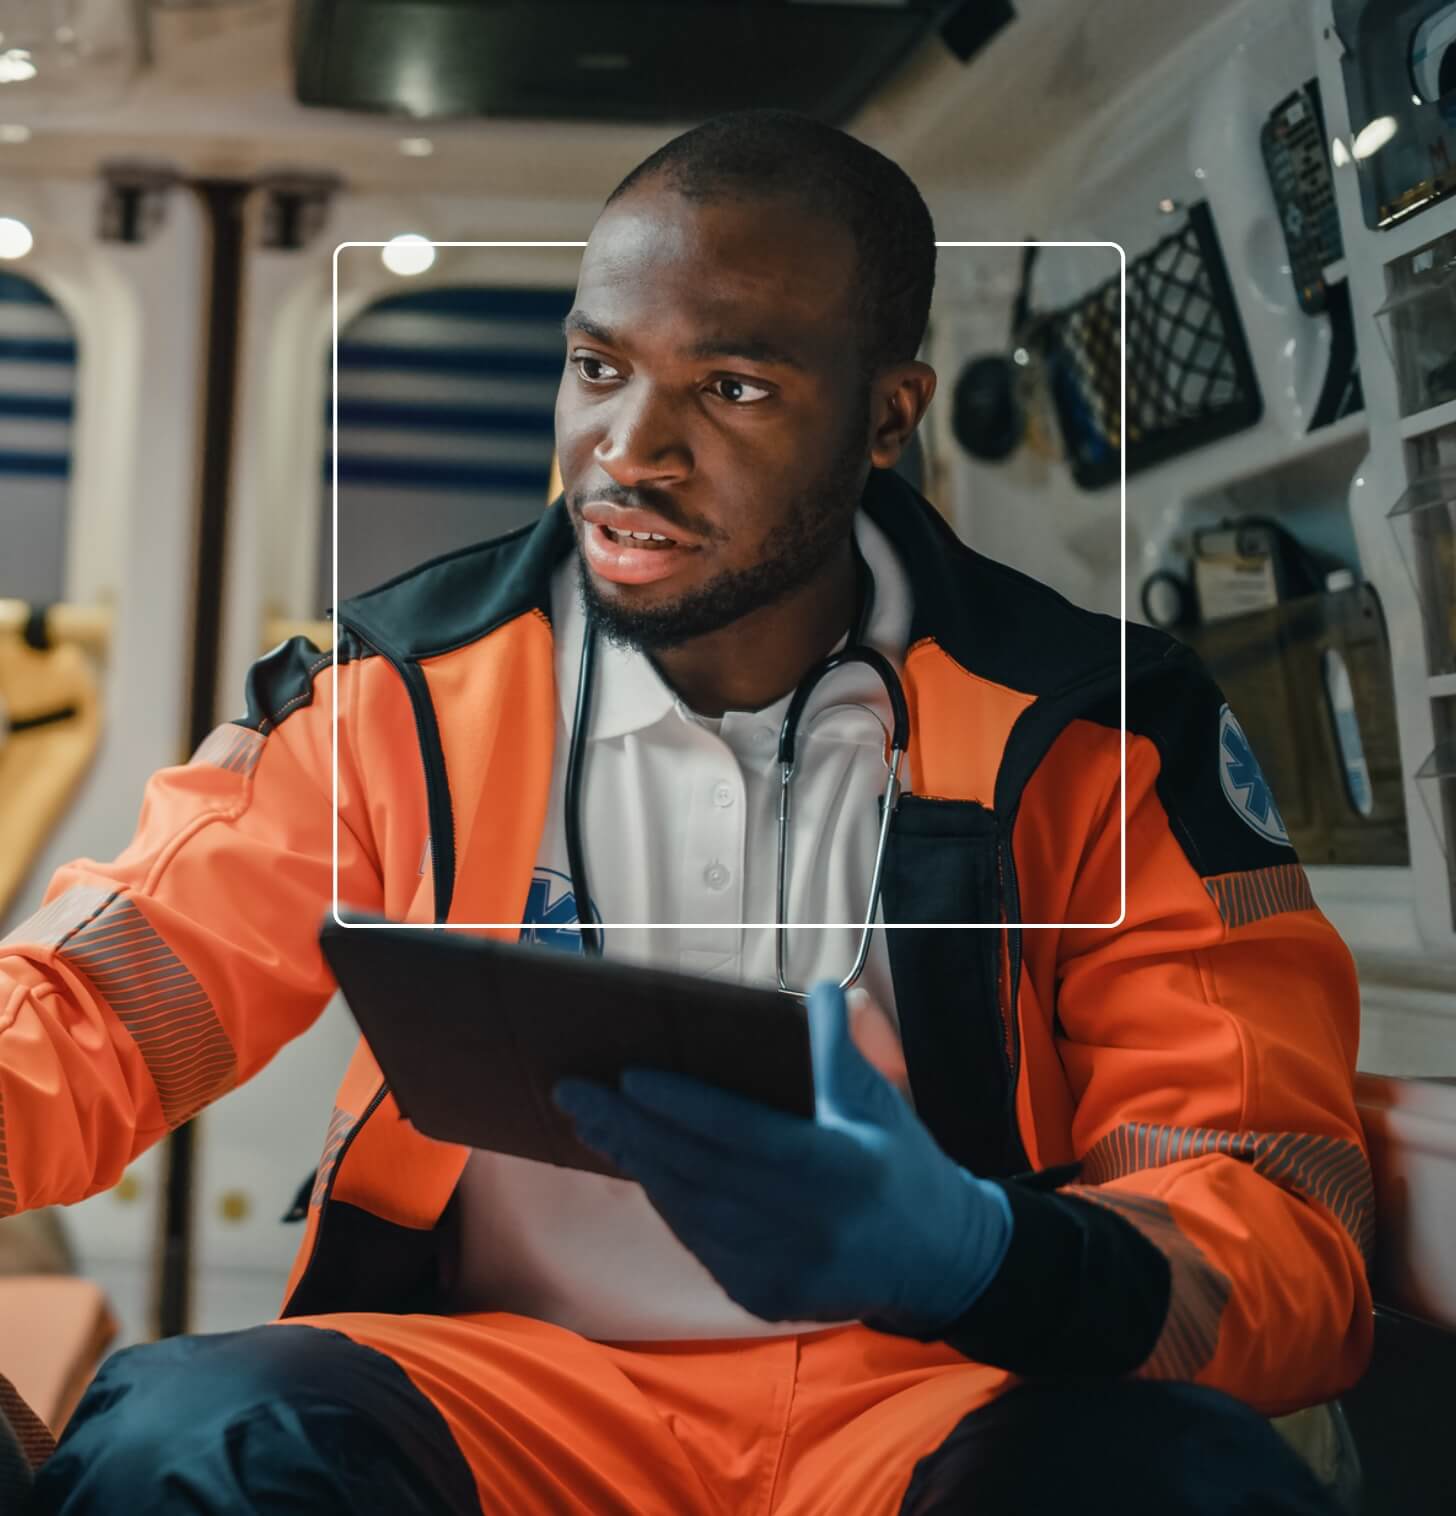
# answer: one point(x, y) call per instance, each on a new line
point(644, 500)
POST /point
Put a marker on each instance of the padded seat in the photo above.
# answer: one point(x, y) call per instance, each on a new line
point(54, 1328)
point(1400, 1411)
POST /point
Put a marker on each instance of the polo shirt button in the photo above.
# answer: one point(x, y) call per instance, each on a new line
point(716, 877)
point(723, 794)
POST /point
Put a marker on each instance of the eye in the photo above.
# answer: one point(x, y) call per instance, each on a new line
point(593, 370)
point(739, 391)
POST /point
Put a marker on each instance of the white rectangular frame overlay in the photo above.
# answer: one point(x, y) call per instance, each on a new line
point(808, 926)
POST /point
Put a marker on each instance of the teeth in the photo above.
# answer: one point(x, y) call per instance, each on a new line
point(638, 536)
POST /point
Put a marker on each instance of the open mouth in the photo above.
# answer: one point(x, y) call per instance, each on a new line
point(647, 540)
point(623, 557)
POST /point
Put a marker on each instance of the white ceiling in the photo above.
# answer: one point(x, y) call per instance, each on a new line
point(216, 99)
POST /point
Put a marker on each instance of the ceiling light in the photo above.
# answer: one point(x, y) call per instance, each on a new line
point(16, 66)
point(15, 238)
point(1339, 153)
point(13, 131)
point(416, 147)
point(408, 254)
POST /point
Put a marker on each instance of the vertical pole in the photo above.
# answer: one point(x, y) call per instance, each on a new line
point(223, 200)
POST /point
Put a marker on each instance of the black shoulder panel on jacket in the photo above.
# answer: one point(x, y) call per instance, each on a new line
point(455, 599)
point(281, 681)
point(993, 620)
point(1003, 626)
point(1219, 804)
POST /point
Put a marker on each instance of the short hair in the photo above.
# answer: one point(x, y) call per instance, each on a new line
point(765, 153)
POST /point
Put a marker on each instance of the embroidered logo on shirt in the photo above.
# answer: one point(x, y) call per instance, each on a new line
point(1243, 782)
point(551, 916)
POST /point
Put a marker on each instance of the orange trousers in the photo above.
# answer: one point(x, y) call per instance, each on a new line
point(830, 1423)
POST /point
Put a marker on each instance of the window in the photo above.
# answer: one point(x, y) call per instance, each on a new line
point(446, 426)
point(37, 385)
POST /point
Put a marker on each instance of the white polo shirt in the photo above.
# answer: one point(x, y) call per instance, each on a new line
point(679, 824)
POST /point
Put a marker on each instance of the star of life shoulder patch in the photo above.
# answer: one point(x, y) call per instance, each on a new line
point(551, 917)
point(1243, 782)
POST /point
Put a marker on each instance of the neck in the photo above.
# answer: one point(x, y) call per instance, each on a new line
point(762, 656)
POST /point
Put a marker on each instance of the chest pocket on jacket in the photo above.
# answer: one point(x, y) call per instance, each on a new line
point(941, 867)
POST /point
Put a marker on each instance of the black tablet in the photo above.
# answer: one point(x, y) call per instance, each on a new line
point(473, 1033)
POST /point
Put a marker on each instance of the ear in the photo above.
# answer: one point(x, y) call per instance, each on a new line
point(902, 394)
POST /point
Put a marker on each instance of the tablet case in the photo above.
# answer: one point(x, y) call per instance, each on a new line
point(473, 1033)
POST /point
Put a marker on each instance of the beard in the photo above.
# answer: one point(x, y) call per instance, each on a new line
point(816, 523)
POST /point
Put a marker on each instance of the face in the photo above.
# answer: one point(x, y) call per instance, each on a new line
point(713, 399)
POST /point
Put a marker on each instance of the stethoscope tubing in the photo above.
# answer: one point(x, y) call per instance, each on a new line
point(788, 760)
point(899, 740)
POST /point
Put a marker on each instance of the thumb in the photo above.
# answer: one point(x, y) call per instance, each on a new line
point(875, 1036)
point(845, 1083)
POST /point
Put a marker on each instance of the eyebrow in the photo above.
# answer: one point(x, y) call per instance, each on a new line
point(755, 349)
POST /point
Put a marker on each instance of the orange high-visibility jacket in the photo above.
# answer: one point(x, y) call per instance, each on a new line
point(1193, 1057)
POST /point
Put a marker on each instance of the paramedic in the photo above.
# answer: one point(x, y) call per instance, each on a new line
point(1118, 1216)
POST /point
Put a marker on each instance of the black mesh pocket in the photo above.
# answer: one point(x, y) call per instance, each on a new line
point(1190, 380)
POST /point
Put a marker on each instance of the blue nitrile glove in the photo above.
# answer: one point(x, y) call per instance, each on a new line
point(855, 1215)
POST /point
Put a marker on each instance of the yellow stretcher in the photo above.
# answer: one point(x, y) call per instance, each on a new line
point(50, 726)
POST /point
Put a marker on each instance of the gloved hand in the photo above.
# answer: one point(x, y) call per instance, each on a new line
point(855, 1215)
point(875, 1036)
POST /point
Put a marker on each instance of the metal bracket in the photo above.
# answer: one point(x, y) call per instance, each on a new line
point(134, 199)
point(295, 206)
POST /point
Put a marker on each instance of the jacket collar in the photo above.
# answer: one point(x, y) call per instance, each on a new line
point(982, 613)
point(996, 623)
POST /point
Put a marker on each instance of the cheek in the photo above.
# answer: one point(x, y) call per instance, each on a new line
point(574, 436)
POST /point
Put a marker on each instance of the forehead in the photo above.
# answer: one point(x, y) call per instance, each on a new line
point(769, 265)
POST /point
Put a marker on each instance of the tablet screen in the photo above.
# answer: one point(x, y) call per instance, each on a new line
point(472, 1033)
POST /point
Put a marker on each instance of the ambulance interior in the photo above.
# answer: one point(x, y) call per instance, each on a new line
point(206, 204)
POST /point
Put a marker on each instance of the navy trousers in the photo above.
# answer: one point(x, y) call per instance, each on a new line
point(298, 1421)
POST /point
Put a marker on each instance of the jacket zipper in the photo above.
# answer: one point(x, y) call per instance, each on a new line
point(433, 759)
point(328, 1193)
point(438, 806)
point(1009, 891)
point(437, 788)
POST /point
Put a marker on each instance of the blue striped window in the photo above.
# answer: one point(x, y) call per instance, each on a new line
point(37, 388)
point(446, 426)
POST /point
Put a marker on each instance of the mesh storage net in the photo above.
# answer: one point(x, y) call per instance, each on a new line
point(1189, 377)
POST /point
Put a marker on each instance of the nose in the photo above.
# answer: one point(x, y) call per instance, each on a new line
point(642, 442)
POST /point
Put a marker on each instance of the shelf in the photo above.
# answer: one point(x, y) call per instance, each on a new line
point(1405, 237)
point(1430, 420)
point(1247, 456)
point(1311, 444)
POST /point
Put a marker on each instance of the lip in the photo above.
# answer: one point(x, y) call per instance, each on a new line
point(623, 518)
point(620, 564)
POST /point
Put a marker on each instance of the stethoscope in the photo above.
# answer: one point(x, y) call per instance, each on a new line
point(857, 652)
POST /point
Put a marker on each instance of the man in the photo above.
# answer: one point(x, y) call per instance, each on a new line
point(1130, 1201)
